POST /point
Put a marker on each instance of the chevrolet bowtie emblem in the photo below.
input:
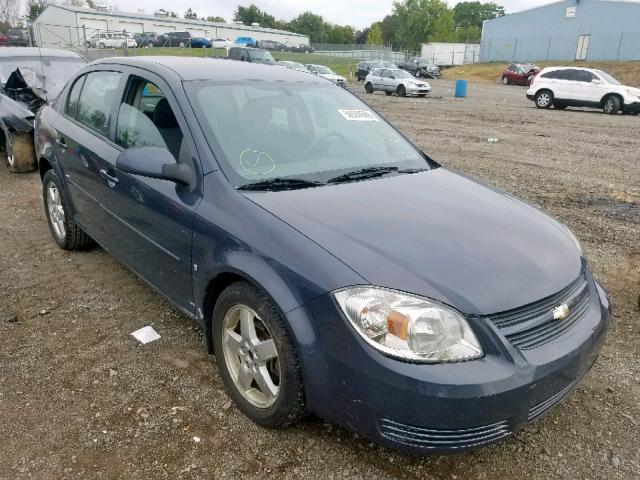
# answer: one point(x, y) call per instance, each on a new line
point(561, 312)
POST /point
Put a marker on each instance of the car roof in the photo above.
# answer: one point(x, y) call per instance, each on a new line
point(549, 69)
point(192, 68)
point(36, 52)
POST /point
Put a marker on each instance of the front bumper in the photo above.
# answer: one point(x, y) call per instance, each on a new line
point(418, 90)
point(632, 107)
point(444, 407)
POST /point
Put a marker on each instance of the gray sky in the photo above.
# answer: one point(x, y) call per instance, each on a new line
point(358, 13)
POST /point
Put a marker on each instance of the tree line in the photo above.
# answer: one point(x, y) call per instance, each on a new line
point(410, 23)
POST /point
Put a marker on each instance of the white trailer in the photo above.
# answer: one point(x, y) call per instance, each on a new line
point(451, 54)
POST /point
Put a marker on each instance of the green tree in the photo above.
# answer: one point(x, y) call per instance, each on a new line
point(421, 21)
point(35, 8)
point(308, 23)
point(361, 36)
point(468, 17)
point(190, 14)
point(253, 14)
point(389, 27)
point(216, 20)
point(340, 34)
point(374, 37)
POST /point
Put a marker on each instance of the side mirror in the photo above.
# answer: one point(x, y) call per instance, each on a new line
point(154, 162)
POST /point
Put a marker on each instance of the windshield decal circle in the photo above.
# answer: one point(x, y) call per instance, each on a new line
point(256, 162)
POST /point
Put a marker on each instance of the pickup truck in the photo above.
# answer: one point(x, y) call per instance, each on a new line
point(420, 67)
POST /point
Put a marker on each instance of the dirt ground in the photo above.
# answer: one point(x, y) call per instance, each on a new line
point(80, 399)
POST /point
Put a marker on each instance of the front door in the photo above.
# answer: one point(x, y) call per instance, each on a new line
point(583, 47)
point(154, 216)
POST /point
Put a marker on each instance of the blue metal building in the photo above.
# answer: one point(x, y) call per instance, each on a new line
point(566, 30)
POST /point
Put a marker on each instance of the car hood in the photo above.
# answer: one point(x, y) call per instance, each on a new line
point(436, 234)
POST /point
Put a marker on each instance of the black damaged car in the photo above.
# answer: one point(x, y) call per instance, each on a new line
point(29, 78)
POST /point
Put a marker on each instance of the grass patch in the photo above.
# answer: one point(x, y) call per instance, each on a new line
point(339, 65)
point(626, 72)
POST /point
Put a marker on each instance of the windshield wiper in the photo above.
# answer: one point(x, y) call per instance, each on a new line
point(362, 174)
point(280, 184)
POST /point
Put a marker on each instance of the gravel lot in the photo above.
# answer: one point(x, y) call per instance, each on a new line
point(80, 399)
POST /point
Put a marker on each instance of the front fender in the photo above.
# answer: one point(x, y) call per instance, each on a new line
point(15, 116)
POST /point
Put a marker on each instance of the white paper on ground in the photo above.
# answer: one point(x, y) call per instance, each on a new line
point(146, 334)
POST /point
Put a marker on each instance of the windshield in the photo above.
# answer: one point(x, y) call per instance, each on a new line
point(401, 74)
point(608, 78)
point(261, 56)
point(263, 130)
point(324, 70)
point(57, 71)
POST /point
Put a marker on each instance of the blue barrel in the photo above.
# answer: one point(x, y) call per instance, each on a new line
point(461, 88)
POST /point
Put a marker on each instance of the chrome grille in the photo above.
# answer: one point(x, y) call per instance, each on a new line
point(442, 439)
point(533, 325)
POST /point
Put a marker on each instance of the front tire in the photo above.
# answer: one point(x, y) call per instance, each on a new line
point(611, 105)
point(368, 88)
point(505, 81)
point(66, 233)
point(544, 99)
point(256, 357)
point(401, 91)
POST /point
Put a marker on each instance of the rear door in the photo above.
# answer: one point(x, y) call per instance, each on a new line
point(564, 81)
point(82, 144)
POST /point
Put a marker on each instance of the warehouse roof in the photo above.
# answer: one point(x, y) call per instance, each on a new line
point(186, 22)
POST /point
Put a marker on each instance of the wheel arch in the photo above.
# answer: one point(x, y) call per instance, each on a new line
point(43, 166)
point(612, 94)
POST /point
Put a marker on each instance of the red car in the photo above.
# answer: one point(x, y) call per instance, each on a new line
point(3, 40)
point(519, 74)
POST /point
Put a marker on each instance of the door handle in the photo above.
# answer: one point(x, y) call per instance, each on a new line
point(60, 141)
point(111, 180)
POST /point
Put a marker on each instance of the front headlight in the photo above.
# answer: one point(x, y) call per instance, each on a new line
point(408, 327)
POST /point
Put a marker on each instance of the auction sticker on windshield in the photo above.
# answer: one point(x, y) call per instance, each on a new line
point(358, 115)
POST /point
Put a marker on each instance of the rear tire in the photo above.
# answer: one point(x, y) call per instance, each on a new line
point(65, 232)
point(21, 155)
point(246, 368)
point(401, 91)
point(611, 105)
point(368, 88)
point(544, 99)
point(101, 45)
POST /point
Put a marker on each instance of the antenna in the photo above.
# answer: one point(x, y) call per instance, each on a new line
point(44, 78)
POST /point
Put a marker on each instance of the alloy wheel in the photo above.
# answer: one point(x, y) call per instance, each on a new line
point(544, 99)
point(56, 210)
point(251, 356)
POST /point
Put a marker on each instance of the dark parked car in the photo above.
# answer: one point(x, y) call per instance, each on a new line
point(176, 39)
point(334, 267)
point(200, 42)
point(420, 67)
point(273, 45)
point(301, 48)
point(364, 68)
point(24, 90)
point(252, 55)
point(148, 39)
point(519, 73)
point(17, 38)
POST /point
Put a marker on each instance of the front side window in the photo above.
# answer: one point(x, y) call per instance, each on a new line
point(146, 119)
point(96, 99)
point(74, 97)
point(263, 130)
point(385, 73)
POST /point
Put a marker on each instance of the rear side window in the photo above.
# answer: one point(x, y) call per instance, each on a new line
point(97, 96)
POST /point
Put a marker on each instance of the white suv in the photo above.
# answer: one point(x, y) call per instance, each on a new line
point(565, 87)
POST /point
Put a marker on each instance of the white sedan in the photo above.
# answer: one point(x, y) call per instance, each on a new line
point(326, 72)
point(394, 80)
point(221, 43)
